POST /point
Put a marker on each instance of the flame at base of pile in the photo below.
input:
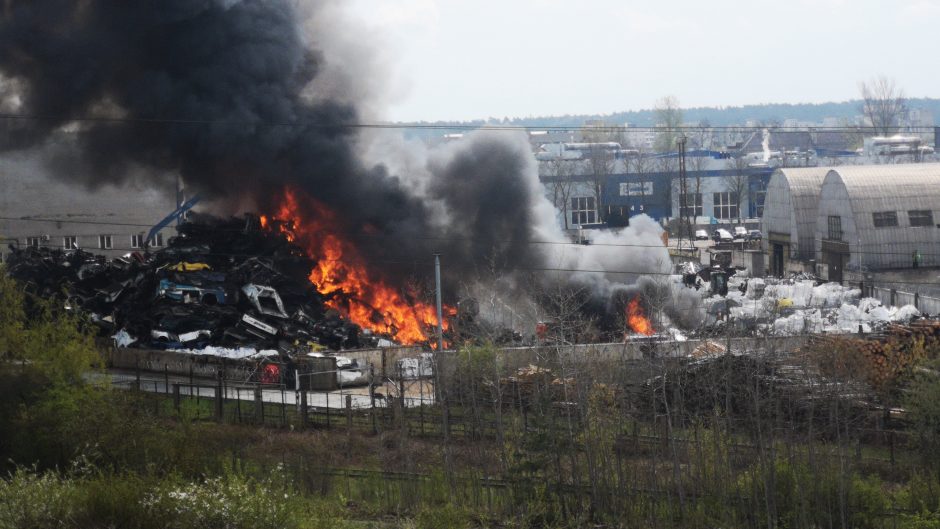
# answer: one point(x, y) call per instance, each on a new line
point(342, 275)
point(637, 320)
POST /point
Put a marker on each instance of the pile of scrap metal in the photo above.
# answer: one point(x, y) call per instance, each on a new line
point(223, 283)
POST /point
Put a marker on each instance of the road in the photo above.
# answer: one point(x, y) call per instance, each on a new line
point(416, 392)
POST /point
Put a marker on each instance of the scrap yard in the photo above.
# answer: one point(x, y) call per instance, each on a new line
point(412, 264)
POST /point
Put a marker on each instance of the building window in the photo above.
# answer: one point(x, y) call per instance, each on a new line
point(920, 217)
point(726, 205)
point(690, 205)
point(104, 242)
point(583, 210)
point(835, 228)
point(137, 241)
point(158, 240)
point(70, 242)
point(34, 242)
point(885, 219)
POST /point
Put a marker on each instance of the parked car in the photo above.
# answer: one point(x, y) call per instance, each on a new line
point(722, 235)
point(740, 232)
point(701, 235)
point(754, 235)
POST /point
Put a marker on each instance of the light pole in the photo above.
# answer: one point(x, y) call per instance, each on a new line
point(440, 314)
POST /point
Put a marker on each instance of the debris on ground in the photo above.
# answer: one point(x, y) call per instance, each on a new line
point(708, 348)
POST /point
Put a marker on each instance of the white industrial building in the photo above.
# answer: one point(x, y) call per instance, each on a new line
point(789, 221)
point(878, 217)
point(37, 210)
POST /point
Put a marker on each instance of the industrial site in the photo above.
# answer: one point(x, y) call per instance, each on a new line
point(235, 293)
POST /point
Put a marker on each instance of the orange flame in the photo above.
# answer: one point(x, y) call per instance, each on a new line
point(638, 321)
point(341, 270)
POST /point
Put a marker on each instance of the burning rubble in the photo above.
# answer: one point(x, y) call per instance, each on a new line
point(231, 286)
point(255, 105)
point(343, 277)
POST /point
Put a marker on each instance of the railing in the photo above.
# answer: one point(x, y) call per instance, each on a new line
point(899, 298)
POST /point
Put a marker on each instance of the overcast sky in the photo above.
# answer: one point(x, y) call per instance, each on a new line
point(465, 59)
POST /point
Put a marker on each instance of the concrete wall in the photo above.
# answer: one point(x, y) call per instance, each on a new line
point(751, 260)
point(509, 359)
point(383, 360)
point(175, 363)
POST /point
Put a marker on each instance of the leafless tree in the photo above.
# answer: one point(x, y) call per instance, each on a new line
point(669, 117)
point(696, 165)
point(600, 165)
point(883, 103)
point(736, 182)
point(561, 172)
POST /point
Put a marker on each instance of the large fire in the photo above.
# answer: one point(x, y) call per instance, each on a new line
point(342, 275)
point(637, 320)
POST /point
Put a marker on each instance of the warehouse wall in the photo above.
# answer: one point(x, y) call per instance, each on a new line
point(855, 193)
point(27, 194)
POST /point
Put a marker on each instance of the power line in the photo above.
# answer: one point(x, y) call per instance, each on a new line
point(357, 235)
point(429, 262)
point(445, 126)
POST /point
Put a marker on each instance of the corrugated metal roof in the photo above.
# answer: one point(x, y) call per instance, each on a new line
point(792, 204)
point(890, 187)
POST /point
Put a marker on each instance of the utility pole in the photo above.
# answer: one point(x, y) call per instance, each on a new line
point(683, 190)
point(440, 314)
point(179, 197)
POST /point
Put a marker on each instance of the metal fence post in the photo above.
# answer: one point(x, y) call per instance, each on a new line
point(349, 412)
point(219, 397)
point(238, 403)
point(303, 409)
point(176, 397)
point(259, 405)
point(421, 399)
point(372, 394)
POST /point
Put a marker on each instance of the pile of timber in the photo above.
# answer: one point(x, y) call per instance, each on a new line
point(528, 382)
point(880, 358)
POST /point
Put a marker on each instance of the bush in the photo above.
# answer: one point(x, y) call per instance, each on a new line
point(31, 500)
point(230, 501)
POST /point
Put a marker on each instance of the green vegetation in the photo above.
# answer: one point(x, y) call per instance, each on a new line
point(558, 445)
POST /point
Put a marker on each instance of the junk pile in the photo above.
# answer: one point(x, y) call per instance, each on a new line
point(227, 286)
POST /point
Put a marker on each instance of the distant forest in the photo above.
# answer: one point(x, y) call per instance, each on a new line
point(715, 116)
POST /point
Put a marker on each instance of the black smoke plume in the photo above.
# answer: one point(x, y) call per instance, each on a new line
point(224, 93)
point(236, 98)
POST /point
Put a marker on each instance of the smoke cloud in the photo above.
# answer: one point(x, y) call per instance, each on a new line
point(241, 98)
